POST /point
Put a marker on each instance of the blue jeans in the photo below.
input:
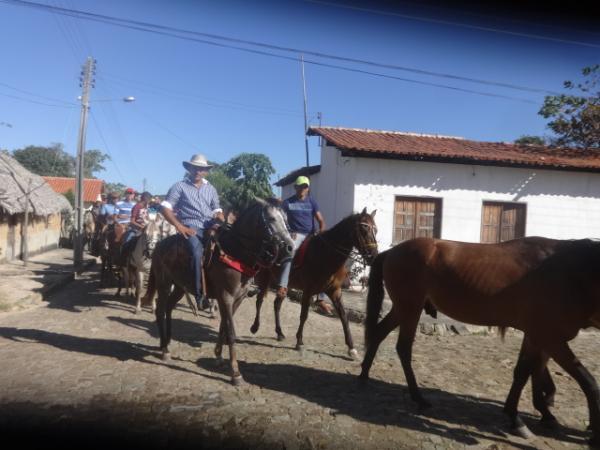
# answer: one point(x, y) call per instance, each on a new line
point(287, 266)
point(197, 249)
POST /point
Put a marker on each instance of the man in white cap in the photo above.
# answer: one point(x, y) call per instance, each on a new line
point(302, 211)
point(190, 205)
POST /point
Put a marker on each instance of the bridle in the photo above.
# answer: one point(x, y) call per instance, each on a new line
point(363, 246)
point(269, 247)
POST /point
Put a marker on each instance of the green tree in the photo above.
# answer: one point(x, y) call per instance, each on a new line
point(71, 197)
point(250, 175)
point(49, 161)
point(575, 118)
point(530, 140)
point(115, 187)
point(92, 162)
point(55, 162)
point(223, 184)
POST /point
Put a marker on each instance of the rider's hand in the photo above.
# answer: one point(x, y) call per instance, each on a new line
point(185, 231)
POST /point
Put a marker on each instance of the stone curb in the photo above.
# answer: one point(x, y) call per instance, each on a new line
point(429, 327)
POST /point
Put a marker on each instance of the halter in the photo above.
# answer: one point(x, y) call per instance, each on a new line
point(269, 246)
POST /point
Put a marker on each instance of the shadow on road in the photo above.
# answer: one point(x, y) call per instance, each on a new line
point(389, 404)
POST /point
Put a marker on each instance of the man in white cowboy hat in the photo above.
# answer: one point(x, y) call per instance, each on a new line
point(190, 205)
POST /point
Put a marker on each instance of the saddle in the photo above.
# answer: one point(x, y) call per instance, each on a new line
point(301, 253)
point(213, 250)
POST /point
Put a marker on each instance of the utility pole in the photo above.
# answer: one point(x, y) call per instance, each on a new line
point(24, 231)
point(144, 185)
point(87, 82)
point(305, 120)
point(320, 117)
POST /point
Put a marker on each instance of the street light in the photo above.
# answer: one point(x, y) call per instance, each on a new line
point(86, 83)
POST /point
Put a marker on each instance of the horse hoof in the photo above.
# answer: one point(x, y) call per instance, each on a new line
point(523, 431)
point(353, 353)
point(221, 361)
point(137, 310)
point(550, 423)
point(166, 356)
point(280, 337)
point(237, 380)
point(300, 347)
point(254, 328)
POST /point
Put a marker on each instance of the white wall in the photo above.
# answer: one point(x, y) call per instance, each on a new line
point(560, 204)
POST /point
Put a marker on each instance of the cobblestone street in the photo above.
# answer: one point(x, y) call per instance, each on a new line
point(83, 368)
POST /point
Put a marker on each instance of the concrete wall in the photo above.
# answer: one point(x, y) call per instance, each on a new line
point(560, 204)
point(43, 234)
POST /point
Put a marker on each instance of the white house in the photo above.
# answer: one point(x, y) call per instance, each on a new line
point(454, 188)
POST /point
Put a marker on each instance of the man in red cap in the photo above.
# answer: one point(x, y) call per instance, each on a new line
point(125, 206)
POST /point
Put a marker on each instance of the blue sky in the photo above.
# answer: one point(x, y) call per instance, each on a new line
point(192, 97)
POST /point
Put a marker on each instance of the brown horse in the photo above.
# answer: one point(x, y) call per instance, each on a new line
point(259, 237)
point(110, 244)
point(549, 289)
point(323, 270)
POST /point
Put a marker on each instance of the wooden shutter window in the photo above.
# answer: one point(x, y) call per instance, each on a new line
point(416, 217)
point(502, 221)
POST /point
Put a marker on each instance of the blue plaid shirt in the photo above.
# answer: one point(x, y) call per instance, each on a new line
point(193, 206)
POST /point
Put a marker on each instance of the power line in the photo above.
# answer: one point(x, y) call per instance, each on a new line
point(190, 98)
point(34, 101)
point(458, 24)
point(122, 178)
point(23, 91)
point(153, 28)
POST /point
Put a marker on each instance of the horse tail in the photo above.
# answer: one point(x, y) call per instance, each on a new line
point(375, 296)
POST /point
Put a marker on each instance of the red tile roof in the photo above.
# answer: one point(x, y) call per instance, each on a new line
point(91, 186)
point(423, 147)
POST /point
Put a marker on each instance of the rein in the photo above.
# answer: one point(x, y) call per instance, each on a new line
point(347, 252)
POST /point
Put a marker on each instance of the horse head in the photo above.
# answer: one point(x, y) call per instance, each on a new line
point(365, 234)
point(263, 231)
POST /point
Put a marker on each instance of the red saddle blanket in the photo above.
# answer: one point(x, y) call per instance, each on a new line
point(237, 265)
point(301, 253)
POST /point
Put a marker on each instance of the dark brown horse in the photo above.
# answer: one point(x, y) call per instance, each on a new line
point(549, 289)
point(259, 237)
point(110, 244)
point(323, 270)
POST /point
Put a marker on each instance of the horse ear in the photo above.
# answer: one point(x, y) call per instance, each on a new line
point(260, 201)
point(373, 213)
point(364, 211)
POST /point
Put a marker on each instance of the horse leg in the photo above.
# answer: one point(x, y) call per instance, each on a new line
point(119, 283)
point(548, 387)
point(226, 307)
point(564, 356)
point(277, 309)
point(523, 368)
point(538, 384)
point(139, 276)
point(336, 298)
point(408, 328)
point(263, 285)
point(161, 319)
point(385, 327)
point(171, 301)
point(303, 316)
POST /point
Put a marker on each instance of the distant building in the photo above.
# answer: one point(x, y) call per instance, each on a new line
point(454, 188)
point(46, 211)
point(92, 188)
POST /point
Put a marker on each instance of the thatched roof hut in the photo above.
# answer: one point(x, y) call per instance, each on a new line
point(15, 180)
